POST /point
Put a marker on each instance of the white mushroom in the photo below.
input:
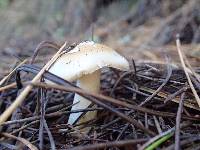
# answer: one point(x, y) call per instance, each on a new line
point(83, 63)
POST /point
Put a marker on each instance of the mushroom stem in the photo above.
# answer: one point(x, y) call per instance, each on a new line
point(90, 83)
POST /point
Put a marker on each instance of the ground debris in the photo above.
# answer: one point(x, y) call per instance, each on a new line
point(112, 128)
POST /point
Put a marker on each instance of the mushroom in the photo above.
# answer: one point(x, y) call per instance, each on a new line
point(83, 64)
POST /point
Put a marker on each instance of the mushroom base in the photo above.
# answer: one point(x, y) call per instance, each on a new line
point(90, 83)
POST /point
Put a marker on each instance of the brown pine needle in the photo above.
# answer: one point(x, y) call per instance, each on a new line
point(6, 114)
point(24, 141)
point(6, 77)
point(197, 76)
point(178, 44)
point(11, 85)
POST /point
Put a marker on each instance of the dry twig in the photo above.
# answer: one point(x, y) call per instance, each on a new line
point(4, 116)
point(178, 44)
point(24, 141)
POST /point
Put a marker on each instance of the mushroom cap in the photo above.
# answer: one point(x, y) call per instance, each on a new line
point(86, 58)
